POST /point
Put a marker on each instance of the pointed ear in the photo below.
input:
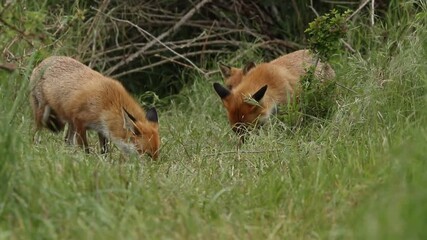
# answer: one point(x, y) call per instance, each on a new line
point(260, 93)
point(129, 123)
point(225, 70)
point(151, 115)
point(221, 91)
point(248, 67)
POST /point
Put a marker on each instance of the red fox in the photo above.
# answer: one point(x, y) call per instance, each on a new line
point(269, 84)
point(296, 62)
point(64, 90)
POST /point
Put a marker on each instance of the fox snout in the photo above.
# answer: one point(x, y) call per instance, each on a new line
point(240, 128)
point(154, 155)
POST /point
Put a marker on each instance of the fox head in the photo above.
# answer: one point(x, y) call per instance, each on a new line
point(244, 110)
point(233, 76)
point(144, 135)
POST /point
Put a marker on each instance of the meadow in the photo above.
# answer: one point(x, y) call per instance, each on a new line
point(359, 173)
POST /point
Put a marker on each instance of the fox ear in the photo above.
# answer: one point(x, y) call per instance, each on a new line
point(151, 115)
point(248, 67)
point(129, 123)
point(260, 93)
point(221, 91)
point(225, 70)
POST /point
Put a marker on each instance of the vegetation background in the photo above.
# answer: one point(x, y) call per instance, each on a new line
point(357, 173)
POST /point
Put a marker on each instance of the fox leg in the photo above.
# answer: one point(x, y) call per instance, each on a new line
point(103, 143)
point(69, 138)
point(80, 131)
point(51, 121)
point(38, 116)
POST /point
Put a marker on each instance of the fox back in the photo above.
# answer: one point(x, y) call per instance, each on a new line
point(296, 62)
point(86, 99)
point(256, 97)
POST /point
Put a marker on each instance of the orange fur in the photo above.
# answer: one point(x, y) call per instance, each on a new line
point(281, 84)
point(69, 91)
point(296, 63)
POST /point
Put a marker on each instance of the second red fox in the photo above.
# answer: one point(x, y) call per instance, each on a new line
point(253, 93)
point(64, 90)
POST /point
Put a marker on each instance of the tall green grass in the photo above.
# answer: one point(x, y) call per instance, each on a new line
point(359, 174)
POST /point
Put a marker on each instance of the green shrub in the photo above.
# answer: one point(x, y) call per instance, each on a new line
point(317, 99)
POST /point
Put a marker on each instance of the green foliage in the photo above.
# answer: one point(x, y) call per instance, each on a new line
point(317, 99)
point(325, 32)
point(35, 29)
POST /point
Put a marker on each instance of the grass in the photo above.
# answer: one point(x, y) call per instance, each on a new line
point(359, 174)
